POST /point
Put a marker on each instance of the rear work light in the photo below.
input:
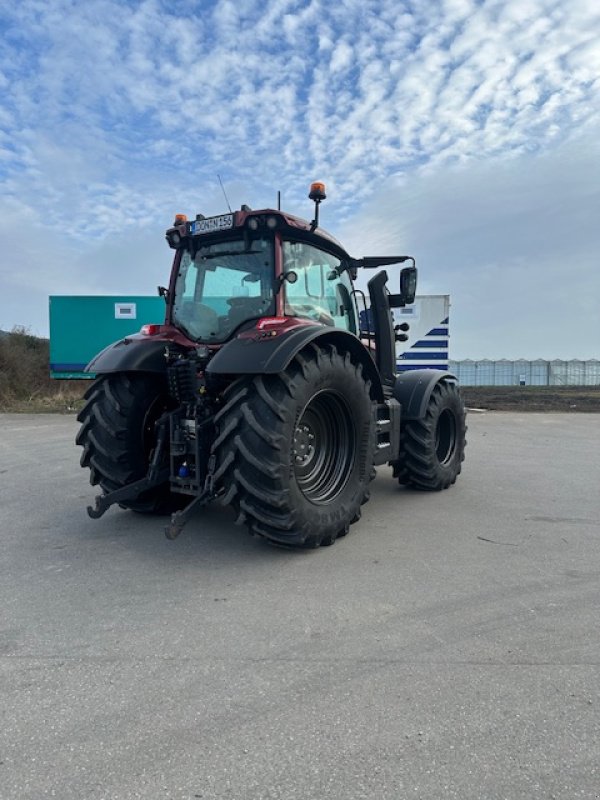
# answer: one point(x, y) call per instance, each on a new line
point(173, 238)
point(270, 221)
point(177, 232)
point(150, 330)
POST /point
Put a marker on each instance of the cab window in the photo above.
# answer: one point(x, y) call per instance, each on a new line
point(320, 292)
point(223, 285)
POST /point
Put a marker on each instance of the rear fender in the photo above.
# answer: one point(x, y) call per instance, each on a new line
point(269, 356)
point(131, 354)
point(413, 389)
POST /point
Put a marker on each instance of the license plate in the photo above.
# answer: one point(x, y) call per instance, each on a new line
point(211, 224)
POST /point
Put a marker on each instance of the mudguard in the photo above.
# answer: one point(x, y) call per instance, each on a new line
point(268, 356)
point(132, 354)
point(413, 389)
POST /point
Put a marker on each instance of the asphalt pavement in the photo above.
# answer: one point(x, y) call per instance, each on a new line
point(448, 647)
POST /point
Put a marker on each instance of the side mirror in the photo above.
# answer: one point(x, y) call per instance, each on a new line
point(163, 292)
point(408, 285)
point(289, 277)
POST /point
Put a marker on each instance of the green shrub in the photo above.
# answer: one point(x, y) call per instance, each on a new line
point(25, 383)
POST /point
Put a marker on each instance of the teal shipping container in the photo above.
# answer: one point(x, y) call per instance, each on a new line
point(81, 326)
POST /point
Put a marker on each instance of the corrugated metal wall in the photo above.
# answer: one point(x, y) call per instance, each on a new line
point(527, 373)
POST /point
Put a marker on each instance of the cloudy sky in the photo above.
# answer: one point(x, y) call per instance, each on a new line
point(464, 132)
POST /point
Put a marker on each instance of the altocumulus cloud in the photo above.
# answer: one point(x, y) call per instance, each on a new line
point(461, 130)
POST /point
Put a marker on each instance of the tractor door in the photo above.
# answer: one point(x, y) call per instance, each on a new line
point(321, 290)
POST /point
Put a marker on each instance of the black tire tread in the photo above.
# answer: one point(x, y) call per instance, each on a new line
point(417, 465)
point(111, 434)
point(252, 465)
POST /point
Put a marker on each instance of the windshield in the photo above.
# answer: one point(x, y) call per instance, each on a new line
point(223, 286)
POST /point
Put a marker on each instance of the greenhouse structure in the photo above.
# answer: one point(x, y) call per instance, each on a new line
point(526, 373)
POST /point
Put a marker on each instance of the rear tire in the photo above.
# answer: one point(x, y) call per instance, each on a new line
point(118, 434)
point(432, 449)
point(294, 451)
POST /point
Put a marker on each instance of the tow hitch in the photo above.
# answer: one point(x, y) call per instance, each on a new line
point(155, 476)
point(181, 517)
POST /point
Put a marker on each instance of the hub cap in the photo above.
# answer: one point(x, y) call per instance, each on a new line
point(324, 447)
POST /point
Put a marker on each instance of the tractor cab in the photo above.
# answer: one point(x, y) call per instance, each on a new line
point(234, 271)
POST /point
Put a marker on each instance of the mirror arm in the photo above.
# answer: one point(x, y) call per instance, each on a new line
point(373, 262)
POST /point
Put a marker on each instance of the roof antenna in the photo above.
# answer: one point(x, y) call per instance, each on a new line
point(278, 201)
point(224, 193)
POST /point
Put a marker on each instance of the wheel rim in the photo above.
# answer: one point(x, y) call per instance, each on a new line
point(324, 448)
point(445, 437)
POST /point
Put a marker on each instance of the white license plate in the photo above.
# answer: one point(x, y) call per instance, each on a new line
point(210, 224)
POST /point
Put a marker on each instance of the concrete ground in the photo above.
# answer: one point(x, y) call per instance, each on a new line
point(448, 647)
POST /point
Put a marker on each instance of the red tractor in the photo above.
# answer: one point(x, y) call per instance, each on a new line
point(261, 390)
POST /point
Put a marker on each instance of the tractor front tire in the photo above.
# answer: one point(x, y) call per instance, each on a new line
point(432, 449)
point(295, 451)
point(118, 434)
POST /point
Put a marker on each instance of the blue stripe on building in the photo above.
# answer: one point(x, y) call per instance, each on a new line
point(68, 367)
point(430, 352)
point(404, 367)
point(410, 355)
point(430, 343)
